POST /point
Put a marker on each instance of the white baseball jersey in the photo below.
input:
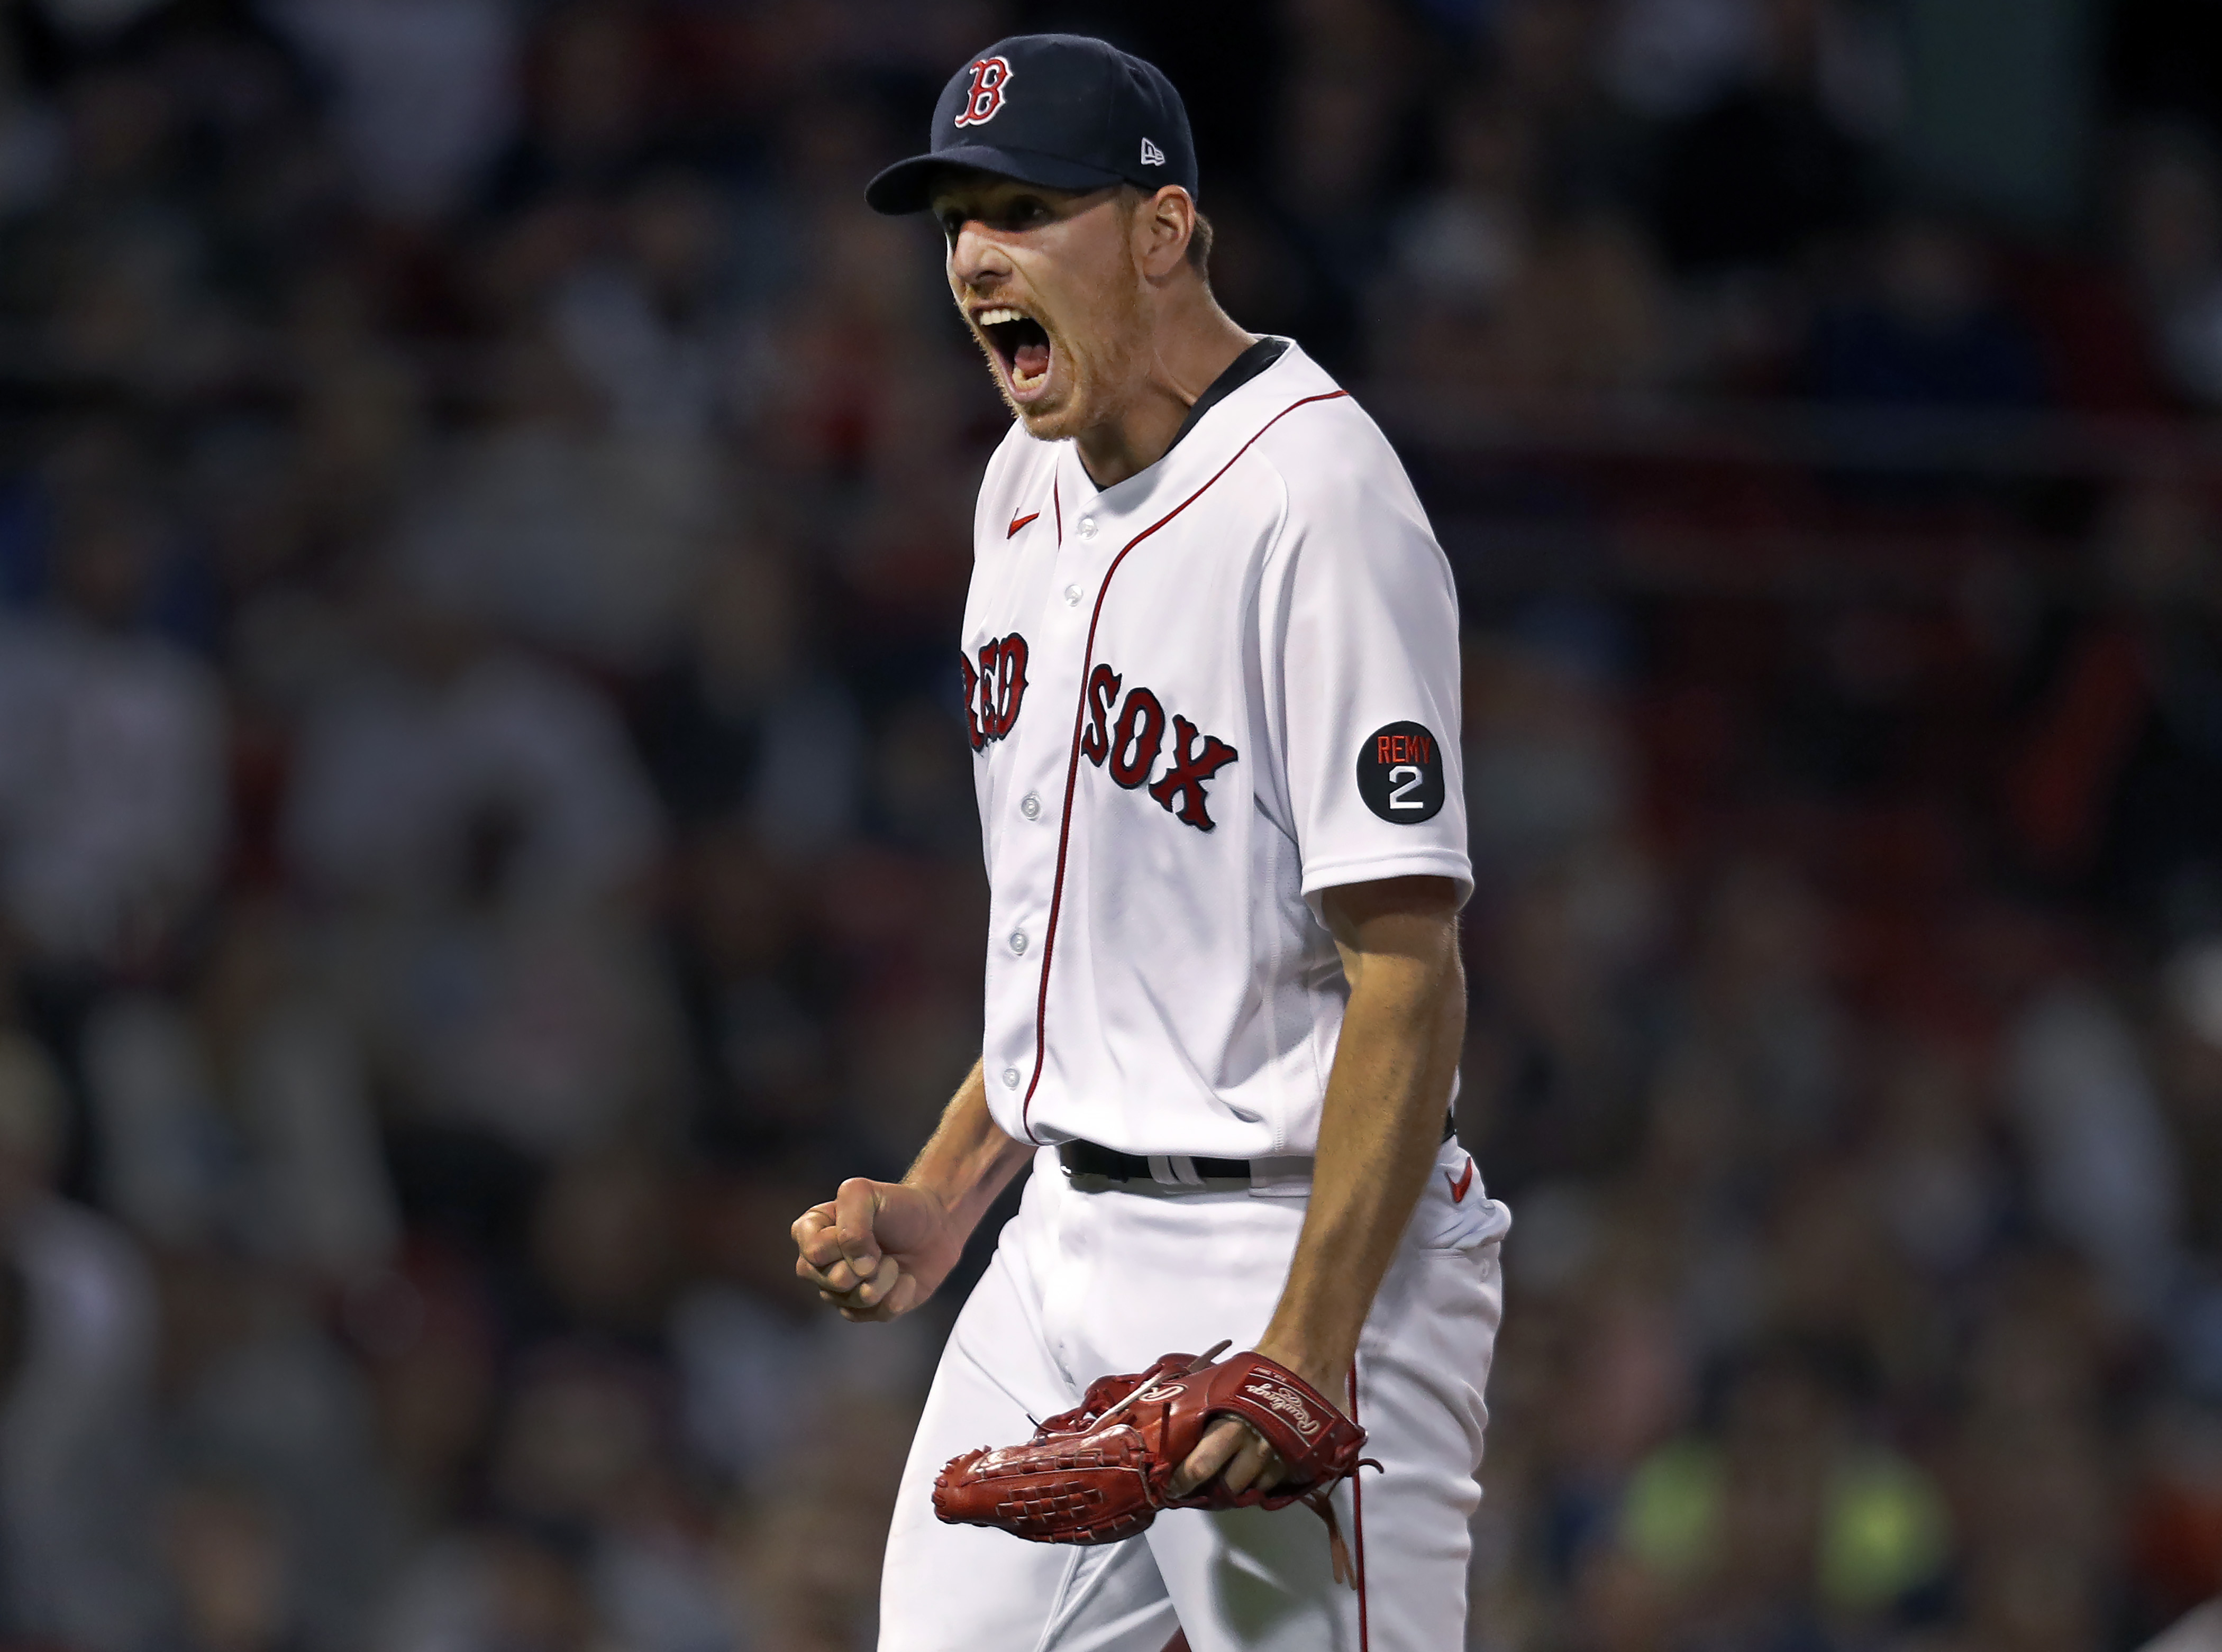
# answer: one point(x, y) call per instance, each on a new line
point(1196, 700)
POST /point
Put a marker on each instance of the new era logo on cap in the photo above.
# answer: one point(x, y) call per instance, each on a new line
point(1151, 155)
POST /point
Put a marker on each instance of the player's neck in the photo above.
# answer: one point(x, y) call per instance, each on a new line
point(1195, 341)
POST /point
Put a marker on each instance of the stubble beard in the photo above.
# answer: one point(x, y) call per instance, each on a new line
point(1102, 376)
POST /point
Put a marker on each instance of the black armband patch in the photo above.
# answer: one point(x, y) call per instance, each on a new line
point(1400, 773)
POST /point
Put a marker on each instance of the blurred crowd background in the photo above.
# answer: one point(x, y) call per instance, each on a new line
point(485, 836)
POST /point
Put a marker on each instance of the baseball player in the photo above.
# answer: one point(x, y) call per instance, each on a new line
point(1210, 669)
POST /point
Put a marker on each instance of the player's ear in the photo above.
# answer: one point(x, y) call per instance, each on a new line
point(1163, 224)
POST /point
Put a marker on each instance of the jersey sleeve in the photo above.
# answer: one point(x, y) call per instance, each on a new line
point(1359, 618)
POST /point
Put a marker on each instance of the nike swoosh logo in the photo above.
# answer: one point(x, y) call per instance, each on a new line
point(1458, 1187)
point(1018, 522)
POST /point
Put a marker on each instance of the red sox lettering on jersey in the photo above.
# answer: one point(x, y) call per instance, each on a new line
point(1130, 744)
point(995, 689)
point(1197, 699)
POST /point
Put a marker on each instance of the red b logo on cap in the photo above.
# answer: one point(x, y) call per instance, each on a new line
point(990, 75)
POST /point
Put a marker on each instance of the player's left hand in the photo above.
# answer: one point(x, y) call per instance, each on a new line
point(1233, 1450)
point(1237, 1452)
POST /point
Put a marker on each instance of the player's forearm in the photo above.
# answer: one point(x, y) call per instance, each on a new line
point(969, 1160)
point(1380, 1127)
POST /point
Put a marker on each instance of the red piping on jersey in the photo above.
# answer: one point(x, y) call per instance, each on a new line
point(1057, 505)
point(1079, 721)
point(1357, 1519)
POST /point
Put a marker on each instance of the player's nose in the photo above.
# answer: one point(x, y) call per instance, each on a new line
point(974, 258)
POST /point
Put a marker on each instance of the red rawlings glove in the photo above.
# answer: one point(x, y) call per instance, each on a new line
point(1101, 1471)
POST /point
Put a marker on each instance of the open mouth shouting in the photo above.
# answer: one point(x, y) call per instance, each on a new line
point(1021, 346)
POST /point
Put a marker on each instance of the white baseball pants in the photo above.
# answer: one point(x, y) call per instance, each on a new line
point(1085, 1283)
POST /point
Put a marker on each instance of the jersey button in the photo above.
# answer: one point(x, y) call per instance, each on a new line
point(1030, 806)
point(1018, 943)
point(1010, 1078)
point(1087, 527)
point(1073, 596)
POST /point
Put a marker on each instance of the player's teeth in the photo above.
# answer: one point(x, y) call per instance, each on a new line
point(997, 317)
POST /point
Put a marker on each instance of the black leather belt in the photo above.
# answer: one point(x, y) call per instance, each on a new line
point(1086, 1159)
point(1172, 1170)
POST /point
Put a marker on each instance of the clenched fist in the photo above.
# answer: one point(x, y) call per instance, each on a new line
point(877, 1249)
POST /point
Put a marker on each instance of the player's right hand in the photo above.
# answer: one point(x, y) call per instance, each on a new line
point(877, 1249)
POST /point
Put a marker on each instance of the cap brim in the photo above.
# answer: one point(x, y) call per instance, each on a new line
point(907, 187)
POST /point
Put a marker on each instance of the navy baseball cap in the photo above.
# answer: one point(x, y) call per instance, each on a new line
point(1061, 110)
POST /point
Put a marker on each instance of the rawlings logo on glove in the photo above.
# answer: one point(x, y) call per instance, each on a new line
point(1101, 1471)
point(1289, 1403)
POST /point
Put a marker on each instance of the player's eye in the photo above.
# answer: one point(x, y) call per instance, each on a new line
point(1020, 212)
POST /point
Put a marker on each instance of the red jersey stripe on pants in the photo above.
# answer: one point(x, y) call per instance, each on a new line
point(1083, 1281)
point(1358, 1515)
